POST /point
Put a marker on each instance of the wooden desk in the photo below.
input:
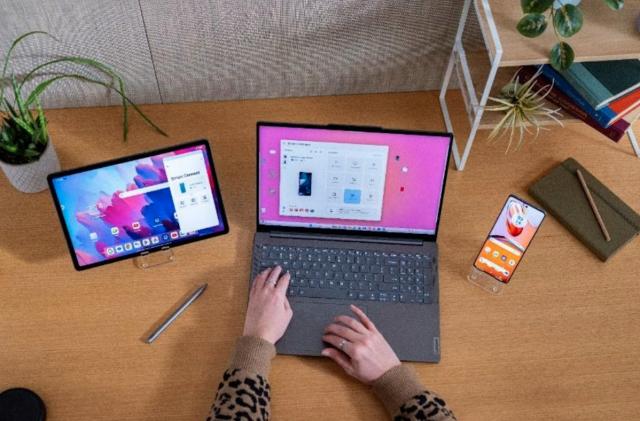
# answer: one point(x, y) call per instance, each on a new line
point(562, 343)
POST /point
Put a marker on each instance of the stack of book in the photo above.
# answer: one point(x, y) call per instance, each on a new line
point(604, 94)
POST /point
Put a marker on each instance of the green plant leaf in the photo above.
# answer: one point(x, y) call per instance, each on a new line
point(24, 125)
point(561, 56)
point(535, 6)
point(75, 60)
point(22, 109)
point(95, 65)
point(117, 90)
point(615, 4)
point(40, 88)
point(567, 20)
point(42, 121)
point(532, 25)
point(13, 46)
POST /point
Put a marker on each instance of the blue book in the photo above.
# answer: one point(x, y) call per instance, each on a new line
point(604, 116)
point(594, 92)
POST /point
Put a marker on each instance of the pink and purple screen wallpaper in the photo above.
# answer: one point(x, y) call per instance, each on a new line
point(408, 200)
point(102, 224)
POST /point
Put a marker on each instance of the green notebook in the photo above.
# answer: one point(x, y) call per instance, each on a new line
point(561, 194)
point(601, 82)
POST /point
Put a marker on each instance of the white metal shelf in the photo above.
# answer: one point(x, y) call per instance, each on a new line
point(458, 61)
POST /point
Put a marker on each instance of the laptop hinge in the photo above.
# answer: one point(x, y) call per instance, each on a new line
point(299, 236)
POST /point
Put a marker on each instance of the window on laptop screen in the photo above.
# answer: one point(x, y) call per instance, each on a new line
point(351, 180)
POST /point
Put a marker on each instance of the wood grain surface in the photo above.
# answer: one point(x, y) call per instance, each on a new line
point(562, 343)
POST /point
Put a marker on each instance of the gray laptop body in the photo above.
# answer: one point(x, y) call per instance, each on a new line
point(412, 330)
point(389, 269)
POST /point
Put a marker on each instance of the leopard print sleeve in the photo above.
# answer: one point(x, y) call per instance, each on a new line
point(425, 406)
point(244, 392)
point(404, 397)
point(241, 396)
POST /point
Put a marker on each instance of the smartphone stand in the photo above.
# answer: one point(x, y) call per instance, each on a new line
point(148, 260)
point(485, 281)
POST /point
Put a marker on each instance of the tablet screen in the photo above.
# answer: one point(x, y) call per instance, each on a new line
point(122, 208)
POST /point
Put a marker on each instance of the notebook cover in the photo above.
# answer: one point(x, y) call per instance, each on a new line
point(604, 116)
point(619, 76)
point(594, 92)
point(561, 194)
point(627, 103)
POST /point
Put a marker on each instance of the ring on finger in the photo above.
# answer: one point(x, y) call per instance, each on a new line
point(342, 344)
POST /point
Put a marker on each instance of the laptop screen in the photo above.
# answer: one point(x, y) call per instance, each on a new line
point(373, 180)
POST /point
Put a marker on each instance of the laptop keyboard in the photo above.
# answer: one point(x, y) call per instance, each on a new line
point(337, 273)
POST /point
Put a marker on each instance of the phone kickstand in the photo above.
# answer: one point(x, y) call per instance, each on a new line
point(486, 282)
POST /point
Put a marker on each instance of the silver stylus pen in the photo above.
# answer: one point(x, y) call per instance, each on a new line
point(167, 322)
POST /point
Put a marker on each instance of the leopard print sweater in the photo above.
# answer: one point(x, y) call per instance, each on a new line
point(244, 393)
point(241, 396)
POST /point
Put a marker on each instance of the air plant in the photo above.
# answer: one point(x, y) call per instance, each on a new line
point(523, 107)
point(23, 128)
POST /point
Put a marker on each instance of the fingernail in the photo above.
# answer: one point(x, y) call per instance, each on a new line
point(325, 352)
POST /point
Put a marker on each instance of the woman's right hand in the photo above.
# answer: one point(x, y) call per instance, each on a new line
point(360, 349)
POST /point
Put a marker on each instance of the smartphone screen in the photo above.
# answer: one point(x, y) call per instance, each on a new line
point(304, 183)
point(509, 238)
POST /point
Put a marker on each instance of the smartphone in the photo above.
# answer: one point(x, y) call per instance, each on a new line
point(514, 229)
point(304, 183)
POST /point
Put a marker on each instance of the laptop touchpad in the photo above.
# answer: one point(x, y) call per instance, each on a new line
point(304, 335)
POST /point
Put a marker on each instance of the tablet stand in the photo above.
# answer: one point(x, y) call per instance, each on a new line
point(145, 260)
point(484, 281)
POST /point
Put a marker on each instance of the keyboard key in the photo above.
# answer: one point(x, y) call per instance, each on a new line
point(324, 293)
point(391, 279)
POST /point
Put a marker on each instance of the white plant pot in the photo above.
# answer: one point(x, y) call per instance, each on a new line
point(32, 177)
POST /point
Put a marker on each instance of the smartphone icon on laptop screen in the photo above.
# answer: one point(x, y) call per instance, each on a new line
point(304, 183)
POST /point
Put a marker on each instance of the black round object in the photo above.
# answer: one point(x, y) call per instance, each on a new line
point(21, 405)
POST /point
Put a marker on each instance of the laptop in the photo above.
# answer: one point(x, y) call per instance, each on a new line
point(352, 213)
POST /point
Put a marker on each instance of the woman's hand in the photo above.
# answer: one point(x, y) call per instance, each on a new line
point(268, 312)
point(359, 349)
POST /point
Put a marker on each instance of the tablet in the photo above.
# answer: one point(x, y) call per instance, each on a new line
point(130, 206)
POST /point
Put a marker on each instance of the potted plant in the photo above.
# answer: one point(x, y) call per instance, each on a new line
point(566, 18)
point(27, 155)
